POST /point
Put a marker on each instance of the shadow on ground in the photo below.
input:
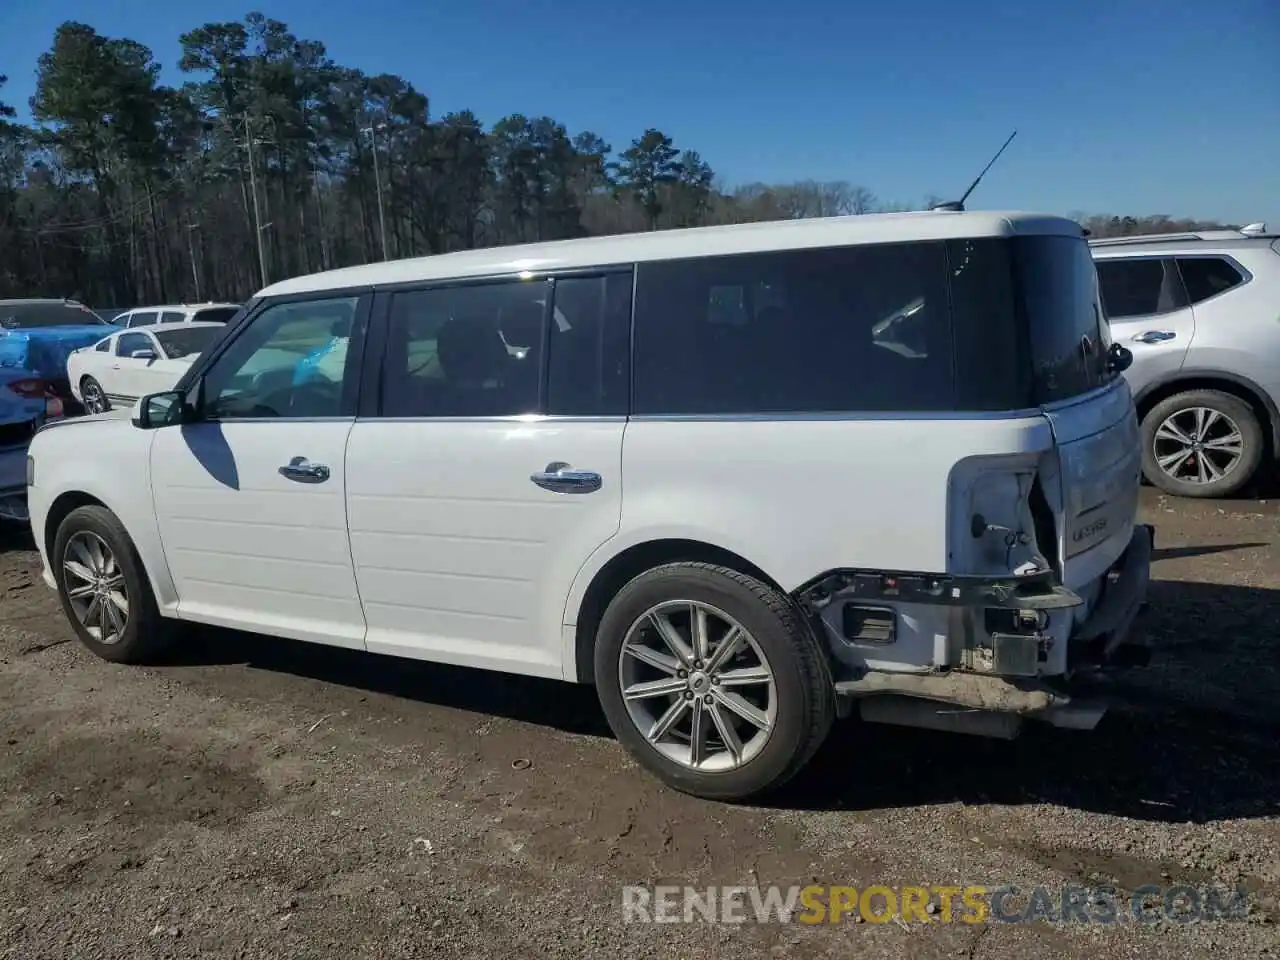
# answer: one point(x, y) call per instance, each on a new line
point(1196, 740)
point(15, 537)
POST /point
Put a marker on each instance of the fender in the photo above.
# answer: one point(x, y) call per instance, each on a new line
point(1202, 373)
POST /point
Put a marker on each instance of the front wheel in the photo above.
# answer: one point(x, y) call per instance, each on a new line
point(1201, 443)
point(103, 589)
point(711, 679)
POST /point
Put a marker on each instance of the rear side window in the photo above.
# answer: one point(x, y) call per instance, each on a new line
point(143, 319)
point(103, 345)
point(1059, 306)
point(172, 316)
point(216, 314)
point(863, 328)
point(1207, 277)
point(1140, 288)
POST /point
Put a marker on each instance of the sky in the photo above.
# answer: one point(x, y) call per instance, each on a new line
point(1126, 106)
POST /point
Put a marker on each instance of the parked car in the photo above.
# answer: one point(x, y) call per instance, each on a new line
point(1201, 314)
point(738, 478)
point(36, 336)
point(124, 366)
point(26, 402)
point(176, 313)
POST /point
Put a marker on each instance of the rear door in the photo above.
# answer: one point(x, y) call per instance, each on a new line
point(1146, 304)
point(485, 467)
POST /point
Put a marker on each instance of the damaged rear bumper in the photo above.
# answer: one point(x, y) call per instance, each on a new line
point(1113, 634)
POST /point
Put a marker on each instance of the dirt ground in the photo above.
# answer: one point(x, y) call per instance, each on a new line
point(256, 798)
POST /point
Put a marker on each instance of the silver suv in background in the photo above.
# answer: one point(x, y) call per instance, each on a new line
point(1201, 314)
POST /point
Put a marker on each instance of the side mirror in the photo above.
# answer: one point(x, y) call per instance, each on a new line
point(159, 410)
point(1119, 358)
point(143, 354)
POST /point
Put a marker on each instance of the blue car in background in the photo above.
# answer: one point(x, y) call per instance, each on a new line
point(36, 336)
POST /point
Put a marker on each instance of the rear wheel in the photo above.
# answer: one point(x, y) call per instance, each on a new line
point(95, 398)
point(1201, 443)
point(103, 589)
point(712, 680)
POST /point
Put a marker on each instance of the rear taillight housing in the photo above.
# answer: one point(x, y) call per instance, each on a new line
point(33, 388)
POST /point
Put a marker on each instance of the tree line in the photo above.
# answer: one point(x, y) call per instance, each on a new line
point(272, 160)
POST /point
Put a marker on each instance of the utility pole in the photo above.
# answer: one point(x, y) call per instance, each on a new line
point(191, 251)
point(377, 180)
point(257, 211)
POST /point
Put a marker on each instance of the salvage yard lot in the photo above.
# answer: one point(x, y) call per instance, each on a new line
point(257, 798)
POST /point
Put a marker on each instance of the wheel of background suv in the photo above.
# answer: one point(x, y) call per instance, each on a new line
point(103, 589)
point(95, 399)
point(1201, 443)
point(712, 681)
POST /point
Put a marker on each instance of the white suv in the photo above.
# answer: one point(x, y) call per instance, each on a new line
point(739, 478)
point(177, 313)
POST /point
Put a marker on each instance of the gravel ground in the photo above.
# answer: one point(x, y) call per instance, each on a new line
point(256, 798)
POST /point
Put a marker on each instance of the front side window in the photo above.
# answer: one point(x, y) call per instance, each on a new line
point(127, 343)
point(291, 361)
point(863, 328)
point(144, 318)
point(466, 351)
point(172, 316)
point(1207, 277)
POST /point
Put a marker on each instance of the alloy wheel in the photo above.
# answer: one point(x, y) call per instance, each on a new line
point(95, 587)
point(1198, 445)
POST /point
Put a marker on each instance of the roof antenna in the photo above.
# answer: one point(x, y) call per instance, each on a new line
point(958, 205)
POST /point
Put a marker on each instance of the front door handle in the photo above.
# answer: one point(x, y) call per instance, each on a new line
point(559, 477)
point(304, 471)
point(1155, 336)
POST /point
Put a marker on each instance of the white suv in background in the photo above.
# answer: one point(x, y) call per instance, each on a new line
point(738, 478)
point(177, 313)
point(1201, 314)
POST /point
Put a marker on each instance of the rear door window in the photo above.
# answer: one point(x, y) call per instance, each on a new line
point(172, 316)
point(1140, 287)
point(143, 318)
point(1207, 277)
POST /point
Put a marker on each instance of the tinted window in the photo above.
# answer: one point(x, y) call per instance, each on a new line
point(855, 328)
point(992, 348)
point(291, 361)
point(1056, 291)
point(29, 316)
point(143, 319)
point(172, 316)
point(216, 314)
point(1207, 277)
point(186, 342)
point(126, 343)
point(1139, 288)
point(587, 369)
point(103, 345)
point(469, 351)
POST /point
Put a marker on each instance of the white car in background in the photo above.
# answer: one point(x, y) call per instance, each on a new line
point(176, 313)
point(119, 369)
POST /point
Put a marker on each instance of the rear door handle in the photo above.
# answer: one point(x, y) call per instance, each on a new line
point(304, 471)
point(559, 477)
point(1155, 336)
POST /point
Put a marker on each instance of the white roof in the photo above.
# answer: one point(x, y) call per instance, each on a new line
point(162, 327)
point(180, 307)
point(679, 244)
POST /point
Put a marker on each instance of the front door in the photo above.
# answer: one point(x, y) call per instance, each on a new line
point(491, 469)
point(251, 499)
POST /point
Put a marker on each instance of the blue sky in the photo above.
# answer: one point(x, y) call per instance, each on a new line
point(1127, 106)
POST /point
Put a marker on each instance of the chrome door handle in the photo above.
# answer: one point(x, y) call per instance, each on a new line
point(1154, 336)
point(304, 471)
point(559, 477)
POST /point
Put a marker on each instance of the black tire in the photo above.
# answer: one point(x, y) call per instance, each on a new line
point(804, 693)
point(1236, 476)
point(89, 384)
point(145, 633)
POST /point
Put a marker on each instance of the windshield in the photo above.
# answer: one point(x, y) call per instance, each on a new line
point(30, 316)
point(186, 342)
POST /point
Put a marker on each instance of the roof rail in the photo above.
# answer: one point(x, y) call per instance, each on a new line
point(1258, 229)
point(1252, 231)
